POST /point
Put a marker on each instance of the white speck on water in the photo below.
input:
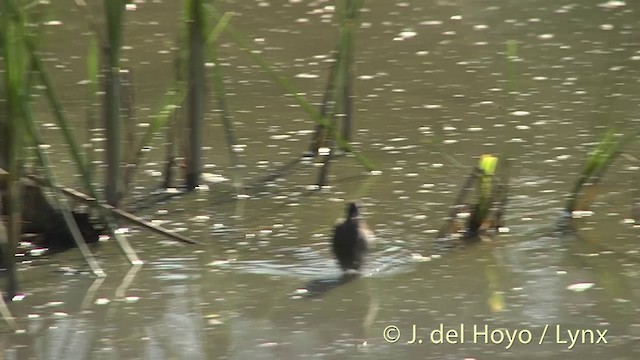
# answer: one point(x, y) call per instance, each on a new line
point(131, 7)
point(37, 252)
point(420, 258)
point(475, 129)
point(540, 78)
point(279, 137)
point(122, 230)
point(200, 218)
point(431, 22)
point(306, 76)
point(404, 35)
point(422, 53)
point(456, 17)
point(523, 127)
point(545, 36)
point(450, 141)
point(612, 4)
point(580, 287)
point(432, 106)
point(268, 344)
point(366, 77)
point(53, 23)
point(520, 113)
point(102, 301)
point(213, 178)
point(579, 214)
point(606, 27)
point(480, 27)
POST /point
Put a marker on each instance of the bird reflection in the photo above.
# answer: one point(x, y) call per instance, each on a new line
point(318, 287)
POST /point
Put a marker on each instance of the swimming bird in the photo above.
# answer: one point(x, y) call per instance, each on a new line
point(351, 240)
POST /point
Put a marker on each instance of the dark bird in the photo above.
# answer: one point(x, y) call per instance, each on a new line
point(351, 240)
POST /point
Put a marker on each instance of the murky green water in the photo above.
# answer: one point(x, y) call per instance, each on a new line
point(434, 92)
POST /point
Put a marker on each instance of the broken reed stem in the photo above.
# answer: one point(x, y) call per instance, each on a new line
point(462, 195)
point(117, 212)
point(195, 92)
point(320, 132)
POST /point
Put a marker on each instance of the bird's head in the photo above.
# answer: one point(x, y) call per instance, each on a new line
point(353, 211)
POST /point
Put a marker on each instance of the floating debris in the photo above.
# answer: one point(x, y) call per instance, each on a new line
point(612, 4)
point(580, 287)
point(220, 262)
point(213, 178)
point(579, 214)
point(306, 76)
point(404, 35)
point(419, 258)
point(102, 301)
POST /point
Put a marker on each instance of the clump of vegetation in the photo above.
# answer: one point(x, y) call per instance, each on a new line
point(486, 212)
point(600, 158)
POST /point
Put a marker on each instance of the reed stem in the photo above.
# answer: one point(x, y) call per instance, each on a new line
point(195, 92)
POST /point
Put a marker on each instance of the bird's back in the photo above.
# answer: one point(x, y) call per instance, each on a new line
point(349, 244)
